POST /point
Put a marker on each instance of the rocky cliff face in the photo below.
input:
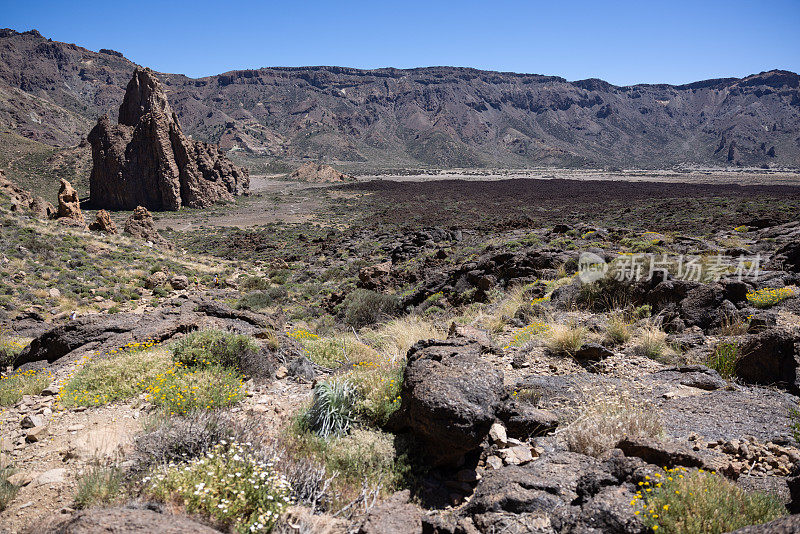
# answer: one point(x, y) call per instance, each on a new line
point(440, 116)
point(146, 160)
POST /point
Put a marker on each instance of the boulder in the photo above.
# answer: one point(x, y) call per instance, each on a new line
point(375, 276)
point(22, 201)
point(448, 397)
point(768, 358)
point(790, 255)
point(69, 205)
point(523, 420)
point(179, 282)
point(146, 160)
point(318, 173)
point(129, 521)
point(157, 279)
point(592, 352)
point(670, 454)
point(175, 316)
point(140, 225)
point(793, 481)
point(103, 223)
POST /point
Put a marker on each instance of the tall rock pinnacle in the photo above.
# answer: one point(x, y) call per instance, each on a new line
point(146, 160)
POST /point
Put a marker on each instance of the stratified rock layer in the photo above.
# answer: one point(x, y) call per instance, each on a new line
point(146, 160)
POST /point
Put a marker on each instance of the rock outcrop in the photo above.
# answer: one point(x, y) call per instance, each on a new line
point(146, 160)
point(69, 205)
point(103, 223)
point(23, 201)
point(140, 224)
point(319, 173)
point(449, 397)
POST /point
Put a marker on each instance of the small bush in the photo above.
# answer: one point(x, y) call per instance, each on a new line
point(723, 359)
point(698, 502)
point(181, 390)
point(565, 339)
point(260, 300)
point(10, 348)
point(119, 377)
point(19, 383)
point(362, 453)
point(213, 348)
point(333, 409)
point(651, 342)
point(179, 439)
point(619, 329)
point(7, 490)
point(228, 484)
point(363, 307)
point(607, 419)
point(99, 485)
point(734, 326)
point(766, 298)
point(524, 335)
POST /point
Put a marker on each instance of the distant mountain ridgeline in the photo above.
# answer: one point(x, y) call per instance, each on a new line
point(53, 92)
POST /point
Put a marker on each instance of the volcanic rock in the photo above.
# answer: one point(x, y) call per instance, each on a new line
point(22, 200)
point(140, 224)
point(768, 359)
point(319, 173)
point(146, 160)
point(103, 223)
point(69, 205)
point(449, 395)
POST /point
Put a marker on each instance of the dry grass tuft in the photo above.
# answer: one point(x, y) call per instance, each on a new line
point(619, 329)
point(565, 339)
point(651, 341)
point(608, 418)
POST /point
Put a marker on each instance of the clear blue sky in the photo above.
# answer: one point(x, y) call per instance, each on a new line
point(622, 42)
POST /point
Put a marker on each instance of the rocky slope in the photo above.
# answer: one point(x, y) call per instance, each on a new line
point(440, 116)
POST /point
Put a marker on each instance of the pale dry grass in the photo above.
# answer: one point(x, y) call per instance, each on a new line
point(619, 330)
point(565, 339)
point(609, 417)
point(651, 341)
point(397, 336)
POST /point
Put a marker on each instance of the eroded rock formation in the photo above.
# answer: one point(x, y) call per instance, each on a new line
point(103, 223)
point(146, 160)
point(318, 173)
point(140, 224)
point(69, 205)
point(21, 200)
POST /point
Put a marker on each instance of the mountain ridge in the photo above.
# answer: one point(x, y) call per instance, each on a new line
point(432, 116)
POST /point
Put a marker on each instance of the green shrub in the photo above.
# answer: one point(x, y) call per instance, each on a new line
point(182, 390)
point(7, 490)
point(362, 453)
point(619, 330)
point(10, 348)
point(120, 376)
point(228, 484)
point(99, 485)
point(768, 297)
point(363, 307)
point(213, 347)
point(698, 502)
point(19, 383)
point(259, 300)
point(723, 359)
point(565, 339)
point(333, 409)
